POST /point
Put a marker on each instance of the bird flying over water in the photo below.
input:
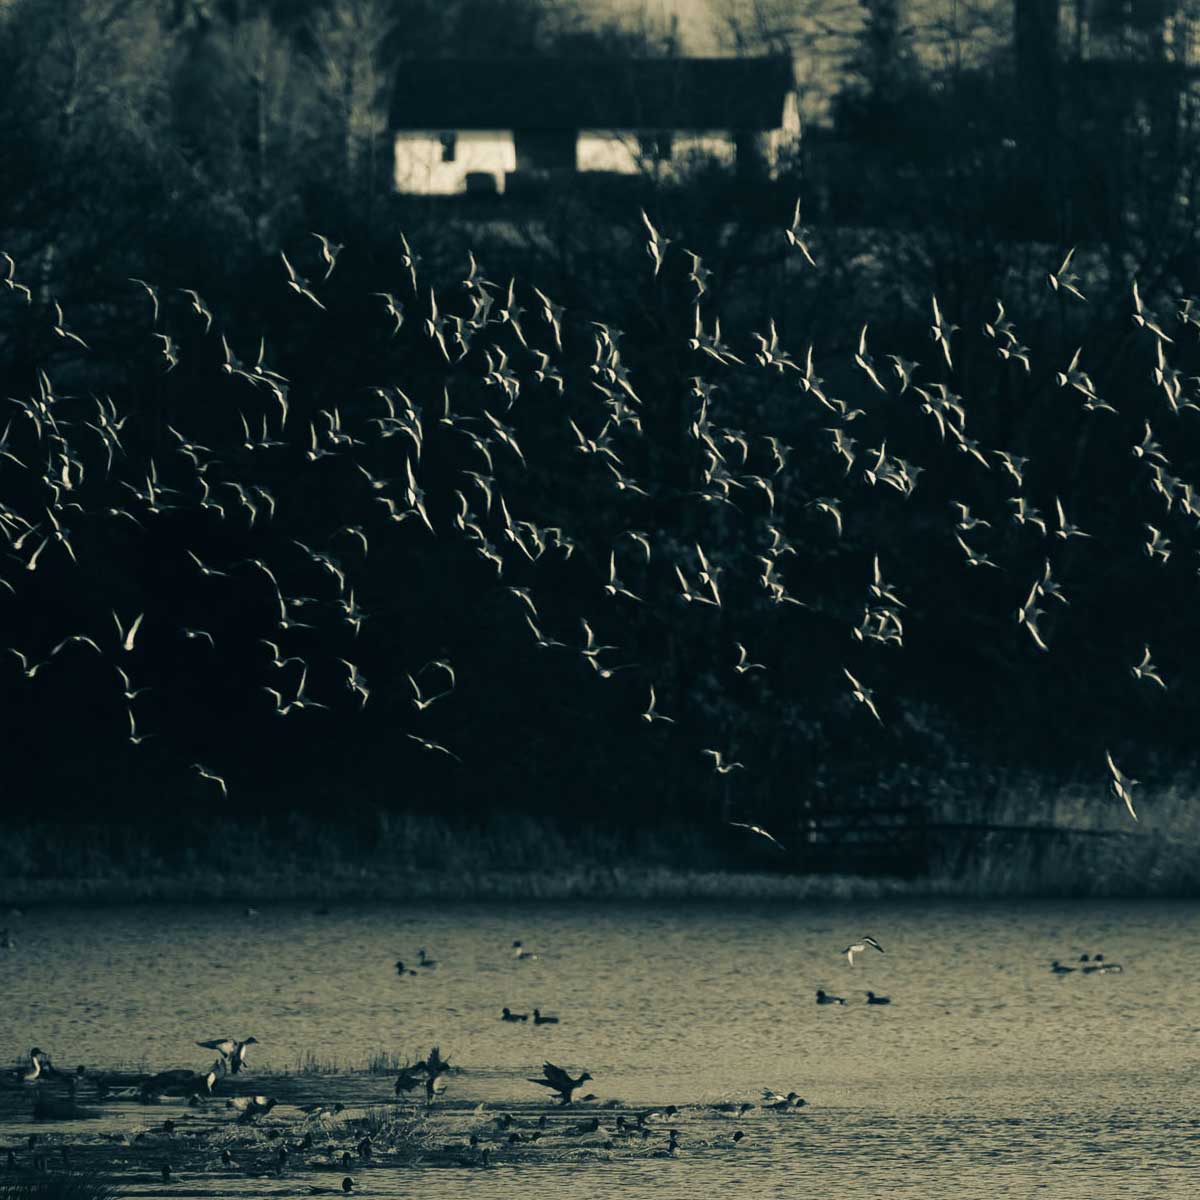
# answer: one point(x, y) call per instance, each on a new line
point(558, 1080)
point(861, 947)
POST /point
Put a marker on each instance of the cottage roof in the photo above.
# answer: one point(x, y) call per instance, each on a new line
point(592, 93)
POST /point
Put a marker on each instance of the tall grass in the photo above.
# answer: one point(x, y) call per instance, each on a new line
point(67, 1186)
point(1013, 833)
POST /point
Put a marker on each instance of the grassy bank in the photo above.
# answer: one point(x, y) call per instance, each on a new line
point(1019, 838)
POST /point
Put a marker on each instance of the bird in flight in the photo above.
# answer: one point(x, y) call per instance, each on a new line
point(941, 330)
point(795, 235)
point(329, 252)
point(1121, 785)
point(657, 245)
point(199, 307)
point(557, 1080)
point(863, 695)
point(298, 283)
point(62, 331)
point(861, 947)
point(720, 765)
point(1147, 670)
point(128, 636)
point(432, 747)
point(152, 292)
point(1064, 279)
point(743, 665)
point(652, 714)
point(758, 829)
point(205, 773)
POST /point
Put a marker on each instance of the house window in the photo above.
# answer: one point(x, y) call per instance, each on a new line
point(656, 147)
point(449, 146)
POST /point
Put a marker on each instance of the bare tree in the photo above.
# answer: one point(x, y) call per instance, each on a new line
point(350, 38)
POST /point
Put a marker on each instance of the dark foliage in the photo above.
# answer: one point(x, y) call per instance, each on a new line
point(190, 149)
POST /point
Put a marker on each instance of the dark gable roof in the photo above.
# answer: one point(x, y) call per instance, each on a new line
point(592, 93)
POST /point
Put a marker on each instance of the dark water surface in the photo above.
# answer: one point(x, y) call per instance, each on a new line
point(987, 1075)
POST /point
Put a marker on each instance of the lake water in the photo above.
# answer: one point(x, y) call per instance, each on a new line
point(987, 1075)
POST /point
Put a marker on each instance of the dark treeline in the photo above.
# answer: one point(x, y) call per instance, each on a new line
point(188, 145)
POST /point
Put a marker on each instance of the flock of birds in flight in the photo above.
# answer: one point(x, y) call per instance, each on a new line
point(57, 454)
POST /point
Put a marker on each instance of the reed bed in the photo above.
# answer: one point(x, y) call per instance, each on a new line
point(1023, 837)
point(59, 1186)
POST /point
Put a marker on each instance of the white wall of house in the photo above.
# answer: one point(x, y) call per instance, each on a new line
point(419, 167)
point(621, 150)
point(788, 134)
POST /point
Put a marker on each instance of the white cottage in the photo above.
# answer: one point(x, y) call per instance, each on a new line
point(470, 125)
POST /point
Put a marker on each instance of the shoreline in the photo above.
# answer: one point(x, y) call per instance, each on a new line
point(1023, 851)
point(596, 885)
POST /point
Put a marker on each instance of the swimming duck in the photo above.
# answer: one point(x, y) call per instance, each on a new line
point(425, 960)
point(557, 1080)
point(506, 1015)
point(825, 998)
point(231, 1049)
point(672, 1145)
point(401, 969)
point(779, 1103)
point(538, 1019)
point(520, 952)
point(1099, 967)
point(347, 1186)
point(872, 998)
point(1059, 969)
